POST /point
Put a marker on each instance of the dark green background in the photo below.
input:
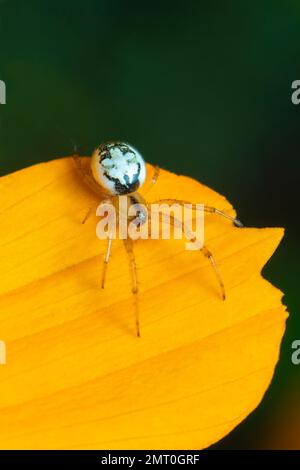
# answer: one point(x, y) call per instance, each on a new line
point(201, 88)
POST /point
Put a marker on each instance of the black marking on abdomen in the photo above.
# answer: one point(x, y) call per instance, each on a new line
point(121, 188)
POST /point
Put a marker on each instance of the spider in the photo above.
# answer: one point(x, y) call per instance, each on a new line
point(118, 169)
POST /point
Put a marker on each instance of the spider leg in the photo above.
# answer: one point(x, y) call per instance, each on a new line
point(78, 163)
point(128, 243)
point(87, 176)
point(106, 260)
point(90, 209)
point(153, 179)
point(209, 209)
point(209, 255)
point(204, 250)
point(87, 215)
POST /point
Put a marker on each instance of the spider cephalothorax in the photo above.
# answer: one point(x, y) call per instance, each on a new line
point(118, 167)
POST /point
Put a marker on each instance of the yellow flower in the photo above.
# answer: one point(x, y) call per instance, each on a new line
point(76, 375)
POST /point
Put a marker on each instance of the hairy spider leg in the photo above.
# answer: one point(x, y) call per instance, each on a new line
point(209, 209)
point(87, 215)
point(153, 179)
point(106, 260)
point(175, 222)
point(128, 243)
point(88, 178)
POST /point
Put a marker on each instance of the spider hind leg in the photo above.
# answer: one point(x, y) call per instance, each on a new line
point(209, 255)
point(128, 243)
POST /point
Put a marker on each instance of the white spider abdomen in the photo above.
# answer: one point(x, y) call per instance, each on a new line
point(118, 168)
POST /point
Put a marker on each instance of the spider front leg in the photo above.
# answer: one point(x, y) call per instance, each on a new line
point(177, 223)
point(87, 215)
point(128, 243)
point(153, 180)
point(106, 260)
point(87, 177)
point(208, 209)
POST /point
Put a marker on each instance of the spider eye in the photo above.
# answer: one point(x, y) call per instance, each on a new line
point(118, 167)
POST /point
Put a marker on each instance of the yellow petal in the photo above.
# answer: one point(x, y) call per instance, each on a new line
point(76, 375)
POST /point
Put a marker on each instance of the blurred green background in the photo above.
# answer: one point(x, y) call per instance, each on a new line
point(201, 88)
